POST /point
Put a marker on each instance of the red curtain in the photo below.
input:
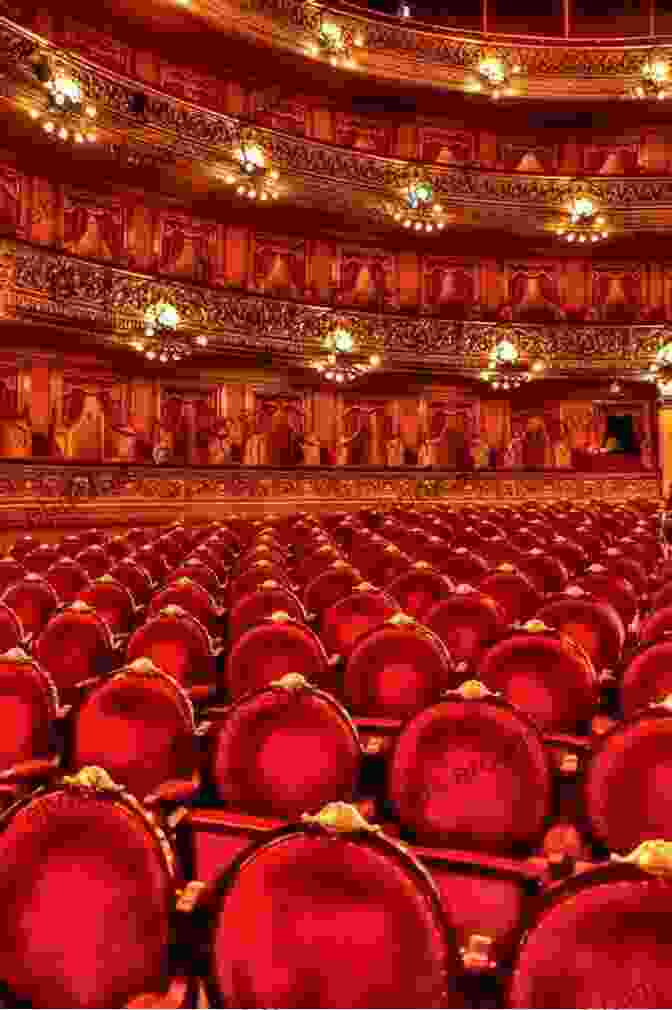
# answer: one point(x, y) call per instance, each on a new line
point(171, 413)
point(173, 246)
point(76, 221)
point(111, 233)
point(73, 405)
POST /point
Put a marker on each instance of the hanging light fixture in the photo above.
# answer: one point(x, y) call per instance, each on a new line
point(583, 222)
point(418, 210)
point(253, 176)
point(335, 43)
point(161, 341)
point(655, 78)
point(342, 363)
point(660, 371)
point(495, 75)
point(67, 115)
point(506, 370)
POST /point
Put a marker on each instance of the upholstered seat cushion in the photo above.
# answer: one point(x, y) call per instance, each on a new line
point(75, 646)
point(515, 593)
point(647, 677)
point(67, 578)
point(468, 622)
point(593, 623)
point(329, 921)
point(28, 706)
point(33, 601)
point(272, 649)
point(193, 598)
point(350, 618)
point(331, 585)
point(112, 601)
point(419, 589)
point(178, 644)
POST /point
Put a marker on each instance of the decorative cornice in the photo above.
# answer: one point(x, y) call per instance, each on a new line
point(109, 303)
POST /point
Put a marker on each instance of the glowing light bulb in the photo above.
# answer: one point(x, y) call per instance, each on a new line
point(63, 133)
point(49, 127)
point(34, 114)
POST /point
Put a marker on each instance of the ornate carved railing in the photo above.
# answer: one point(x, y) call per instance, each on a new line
point(44, 494)
point(107, 303)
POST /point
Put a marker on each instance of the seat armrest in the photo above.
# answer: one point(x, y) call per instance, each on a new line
point(174, 791)
point(29, 771)
point(173, 999)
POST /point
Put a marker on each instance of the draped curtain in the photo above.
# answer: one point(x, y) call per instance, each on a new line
point(111, 233)
point(76, 221)
point(578, 418)
point(172, 248)
point(496, 423)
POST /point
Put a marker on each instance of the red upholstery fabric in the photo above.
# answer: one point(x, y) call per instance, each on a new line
point(153, 561)
point(419, 589)
point(213, 561)
point(628, 567)
point(395, 670)
point(74, 646)
point(464, 566)
point(178, 644)
point(296, 904)
point(471, 775)
point(11, 630)
point(647, 677)
point(67, 578)
point(514, 592)
point(11, 571)
point(548, 573)
point(593, 624)
point(201, 573)
point(269, 650)
point(628, 784)
point(28, 706)
point(254, 607)
point(570, 553)
point(94, 560)
point(116, 548)
point(331, 585)
point(600, 940)
point(139, 728)
point(281, 753)
point(656, 625)
point(41, 558)
point(252, 578)
point(662, 597)
point(468, 622)
point(545, 674)
point(136, 579)
point(112, 601)
point(23, 546)
point(350, 618)
point(387, 566)
point(599, 582)
point(193, 598)
point(90, 895)
point(33, 601)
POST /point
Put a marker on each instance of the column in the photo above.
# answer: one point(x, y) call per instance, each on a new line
point(665, 443)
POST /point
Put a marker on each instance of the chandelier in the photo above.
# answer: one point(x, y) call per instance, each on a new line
point(583, 222)
point(254, 177)
point(505, 369)
point(161, 342)
point(342, 364)
point(495, 75)
point(660, 371)
point(417, 209)
point(335, 43)
point(654, 79)
point(68, 115)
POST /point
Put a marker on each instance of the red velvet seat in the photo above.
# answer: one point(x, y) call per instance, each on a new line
point(67, 578)
point(662, 597)
point(313, 563)
point(193, 598)
point(514, 592)
point(151, 559)
point(628, 567)
point(468, 623)
point(213, 561)
point(464, 566)
point(12, 634)
point(95, 560)
point(600, 939)
point(548, 573)
point(332, 584)
point(272, 649)
point(75, 646)
point(315, 892)
point(287, 749)
point(386, 565)
point(33, 601)
point(139, 726)
point(396, 669)
point(251, 579)
point(254, 607)
point(270, 551)
point(90, 884)
point(173, 551)
point(11, 571)
point(570, 553)
point(28, 708)
point(23, 546)
point(137, 537)
point(117, 548)
point(112, 601)
point(546, 674)
point(351, 617)
point(471, 772)
point(599, 582)
point(419, 589)
point(648, 676)
point(201, 573)
point(178, 644)
point(40, 559)
point(137, 579)
point(499, 551)
point(627, 786)
point(591, 622)
point(656, 625)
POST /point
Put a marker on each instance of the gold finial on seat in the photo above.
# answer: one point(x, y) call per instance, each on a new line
point(654, 856)
point(401, 619)
point(291, 682)
point(92, 777)
point(280, 616)
point(474, 690)
point(535, 625)
point(341, 818)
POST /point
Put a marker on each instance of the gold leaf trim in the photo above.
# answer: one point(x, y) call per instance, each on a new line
point(291, 682)
point(474, 690)
point(654, 856)
point(92, 777)
point(342, 819)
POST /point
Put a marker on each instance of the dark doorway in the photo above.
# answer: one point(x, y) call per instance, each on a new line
point(620, 429)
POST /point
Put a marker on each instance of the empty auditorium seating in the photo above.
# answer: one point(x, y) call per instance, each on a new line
point(419, 588)
point(178, 644)
point(112, 601)
point(467, 622)
point(28, 709)
point(74, 647)
point(270, 650)
point(67, 578)
point(33, 601)
point(351, 617)
point(592, 622)
point(515, 592)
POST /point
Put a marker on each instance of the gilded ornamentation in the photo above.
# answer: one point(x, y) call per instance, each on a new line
point(92, 777)
point(653, 857)
point(342, 819)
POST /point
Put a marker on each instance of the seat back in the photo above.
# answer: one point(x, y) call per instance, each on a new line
point(28, 707)
point(467, 622)
point(139, 726)
point(95, 560)
point(112, 601)
point(598, 940)
point(11, 629)
point(75, 645)
point(514, 592)
point(272, 649)
point(419, 589)
point(348, 619)
point(648, 676)
point(39, 559)
point(137, 579)
point(177, 643)
point(254, 607)
point(470, 772)
point(89, 881)
point(67, 578)
point(594, 624)
point(11, 571)
point(312, 886)
point(193, 598)
point(396, 669)
point(284, 750)
point(33, 601)
point(331, 585)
